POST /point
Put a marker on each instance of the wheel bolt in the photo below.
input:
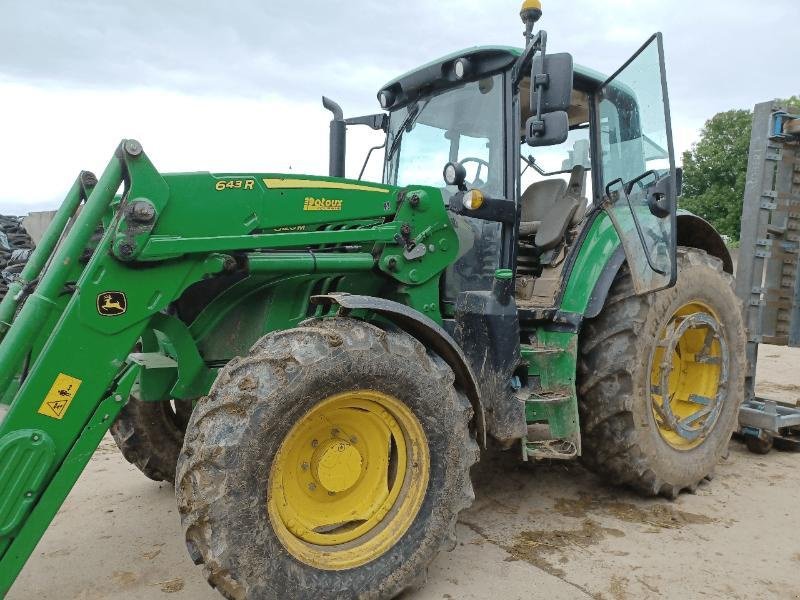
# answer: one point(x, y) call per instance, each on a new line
point(334, 432)
point(312, 486)
point(353, 440)
point(314, 443)
point(304, 466)
point(331, 493)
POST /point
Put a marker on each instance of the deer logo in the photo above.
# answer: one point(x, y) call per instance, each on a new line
point(111, 304)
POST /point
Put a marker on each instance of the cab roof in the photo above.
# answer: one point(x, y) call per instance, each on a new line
point(484, 60)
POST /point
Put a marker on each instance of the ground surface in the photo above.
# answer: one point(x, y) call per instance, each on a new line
point(543, 531)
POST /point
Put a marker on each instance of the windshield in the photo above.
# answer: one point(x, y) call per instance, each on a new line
point(462, 124)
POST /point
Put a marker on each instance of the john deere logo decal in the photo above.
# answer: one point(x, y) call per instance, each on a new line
point(111, 304)
point(322, 204)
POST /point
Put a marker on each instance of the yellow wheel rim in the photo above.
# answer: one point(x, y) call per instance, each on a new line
point(688, 376)
point(348, 480)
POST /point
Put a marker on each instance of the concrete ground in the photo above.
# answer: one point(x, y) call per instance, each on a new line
point(535, 531)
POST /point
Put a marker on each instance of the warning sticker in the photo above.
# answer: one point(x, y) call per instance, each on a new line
point(58, 399)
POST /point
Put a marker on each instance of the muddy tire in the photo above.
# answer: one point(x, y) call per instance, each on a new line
point(233, 464)
point(625, 438)
point(15, 248)
point(150, 435)
point(759, 444)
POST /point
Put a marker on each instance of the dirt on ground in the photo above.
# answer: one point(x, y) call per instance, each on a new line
point(546, 530)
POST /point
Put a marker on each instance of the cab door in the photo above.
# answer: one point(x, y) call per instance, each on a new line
point(638, 166)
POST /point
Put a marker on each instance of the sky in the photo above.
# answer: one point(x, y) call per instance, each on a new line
point(235, 86)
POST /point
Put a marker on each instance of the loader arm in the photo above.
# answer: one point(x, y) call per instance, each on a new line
point(81, 306)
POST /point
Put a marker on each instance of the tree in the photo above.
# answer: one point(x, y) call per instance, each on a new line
point(792, 104)
point(715, 169)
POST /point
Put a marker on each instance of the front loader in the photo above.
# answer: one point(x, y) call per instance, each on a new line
point(317, 361)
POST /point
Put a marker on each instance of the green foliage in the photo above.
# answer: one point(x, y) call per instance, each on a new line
point(714, 171)
point(792, 104)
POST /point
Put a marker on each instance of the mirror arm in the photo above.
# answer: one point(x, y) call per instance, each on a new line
point(540, 79)
point(379, 121)
point(539, 42)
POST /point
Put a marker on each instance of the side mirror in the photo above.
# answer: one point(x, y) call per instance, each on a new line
point(555, 85)
point(547, 129)
point(659, 197)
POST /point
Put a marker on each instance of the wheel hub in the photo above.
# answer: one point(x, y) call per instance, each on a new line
point(689, 376)
point(337, 465)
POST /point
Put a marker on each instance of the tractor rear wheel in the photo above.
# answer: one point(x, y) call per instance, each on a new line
point(331, 462)
point(661, 378)
point(150, 435)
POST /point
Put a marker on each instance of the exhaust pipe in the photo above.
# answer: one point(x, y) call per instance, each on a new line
point(338, 138)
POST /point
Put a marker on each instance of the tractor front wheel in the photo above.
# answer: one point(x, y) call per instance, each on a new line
point(661, 378)
point(331, 462)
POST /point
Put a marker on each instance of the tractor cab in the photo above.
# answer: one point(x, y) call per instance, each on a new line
point(544, 168)
point(524, 171)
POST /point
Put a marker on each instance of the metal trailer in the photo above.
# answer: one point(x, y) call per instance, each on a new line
point(768, 271)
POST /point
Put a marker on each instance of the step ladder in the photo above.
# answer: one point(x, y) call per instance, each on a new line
point(551, 406)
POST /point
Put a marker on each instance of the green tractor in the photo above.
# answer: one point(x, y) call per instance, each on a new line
point(316, 362)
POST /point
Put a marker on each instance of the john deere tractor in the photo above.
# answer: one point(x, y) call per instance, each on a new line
point(316, 362)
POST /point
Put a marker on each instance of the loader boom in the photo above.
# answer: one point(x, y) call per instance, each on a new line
point(66, 361)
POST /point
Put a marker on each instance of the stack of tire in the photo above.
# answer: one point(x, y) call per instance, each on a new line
point(15, 248)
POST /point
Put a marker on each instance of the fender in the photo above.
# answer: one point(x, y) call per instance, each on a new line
point(426, 331)
point(696, 232)
point(693, 231)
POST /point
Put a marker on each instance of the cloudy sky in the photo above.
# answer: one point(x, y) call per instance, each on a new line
point(236, 85)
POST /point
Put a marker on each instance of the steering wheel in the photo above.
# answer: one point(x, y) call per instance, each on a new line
point(476, 182)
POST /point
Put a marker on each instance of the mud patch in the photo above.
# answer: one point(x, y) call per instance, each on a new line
point(661, 516)
point(618, 587)
point(537, 547)
point(172, 585)
point(785, 388)
point(124, 578)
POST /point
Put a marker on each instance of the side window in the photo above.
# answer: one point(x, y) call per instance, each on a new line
point(557, 161)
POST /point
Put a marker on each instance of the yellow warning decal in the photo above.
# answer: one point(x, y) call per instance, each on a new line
point(60, 396)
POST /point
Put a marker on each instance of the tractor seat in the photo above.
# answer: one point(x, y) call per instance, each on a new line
point(551, 206)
